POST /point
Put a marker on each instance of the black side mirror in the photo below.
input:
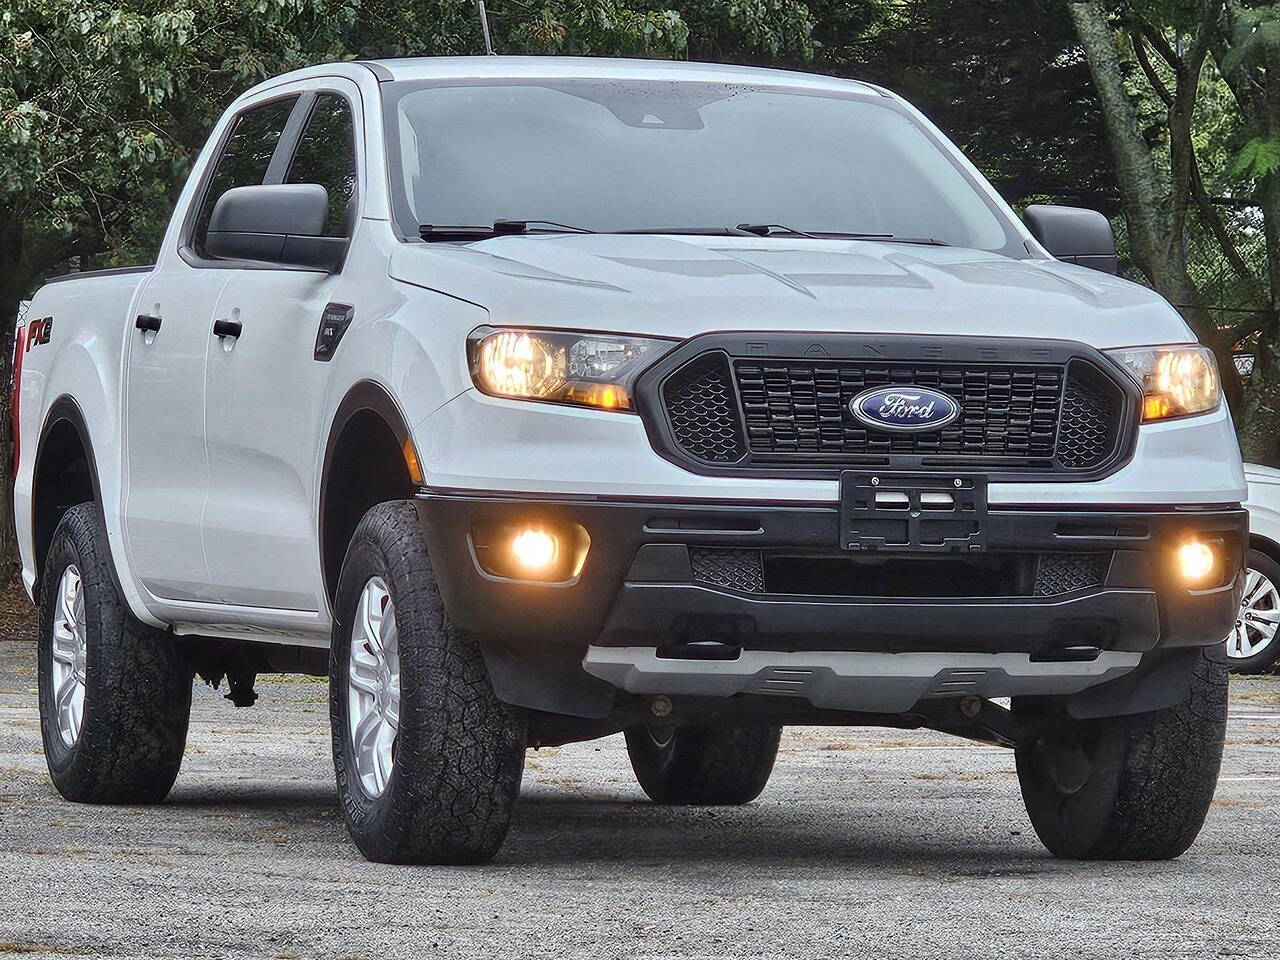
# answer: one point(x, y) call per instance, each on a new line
point(275, 223)
point(1074, 235)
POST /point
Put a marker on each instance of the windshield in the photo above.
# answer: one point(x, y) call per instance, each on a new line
point(622, 155)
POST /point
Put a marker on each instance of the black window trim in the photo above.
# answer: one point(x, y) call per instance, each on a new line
point(277, 168)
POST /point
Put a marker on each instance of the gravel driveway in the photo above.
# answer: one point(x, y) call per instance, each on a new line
point(866, 842)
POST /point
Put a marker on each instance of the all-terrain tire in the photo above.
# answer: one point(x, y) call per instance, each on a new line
point(459, 752)
point(137, 681)
point(713, 766)
point(1130, 788)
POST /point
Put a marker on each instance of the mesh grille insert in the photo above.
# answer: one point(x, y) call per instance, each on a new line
point(1059, 573)
point(1090, 423)
point(733, 569)
point(700, 407)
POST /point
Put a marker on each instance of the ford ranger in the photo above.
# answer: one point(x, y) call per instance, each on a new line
point(537, 400)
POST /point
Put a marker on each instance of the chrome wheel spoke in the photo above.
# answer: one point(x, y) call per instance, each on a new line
point(69, 656)
point(64, 645)
point(1236, 642)
point(373, 687)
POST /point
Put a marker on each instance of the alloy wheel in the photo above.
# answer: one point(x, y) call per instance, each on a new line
point(373, 687)
point(70, 655)
point(1258, 620)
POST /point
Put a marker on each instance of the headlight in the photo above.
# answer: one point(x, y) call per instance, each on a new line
point(592, 370)
point(1176, 381)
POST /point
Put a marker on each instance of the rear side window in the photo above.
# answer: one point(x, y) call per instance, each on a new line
point(244, 159)
point(326, 155)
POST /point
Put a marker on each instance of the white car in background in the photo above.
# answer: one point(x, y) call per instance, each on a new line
point(1252, 646)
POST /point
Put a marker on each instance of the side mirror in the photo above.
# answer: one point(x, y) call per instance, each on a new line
point(1074, 235)
point(275, 223)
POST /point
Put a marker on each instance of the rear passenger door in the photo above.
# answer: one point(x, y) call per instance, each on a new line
point(166, 463)
point(264, 392)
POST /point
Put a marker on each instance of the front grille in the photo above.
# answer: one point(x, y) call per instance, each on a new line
point(1064, 417)
point(803, 408)
point(883, 575)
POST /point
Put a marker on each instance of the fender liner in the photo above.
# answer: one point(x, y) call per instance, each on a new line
point(365, 396)
point(65, 409)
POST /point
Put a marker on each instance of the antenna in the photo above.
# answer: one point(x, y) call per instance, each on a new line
point(484, 25)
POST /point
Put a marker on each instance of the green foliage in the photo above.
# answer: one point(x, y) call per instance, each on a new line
point(103, 105)
point(1255, 39)
point(1259, 159)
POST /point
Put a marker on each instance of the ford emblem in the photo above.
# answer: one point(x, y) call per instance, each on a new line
point(904, 408)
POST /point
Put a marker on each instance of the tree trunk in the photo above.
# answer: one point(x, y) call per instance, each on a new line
point(16, 277)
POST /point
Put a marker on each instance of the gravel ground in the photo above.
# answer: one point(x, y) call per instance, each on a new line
point(866, 842)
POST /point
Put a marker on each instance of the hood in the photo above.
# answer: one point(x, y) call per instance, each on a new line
point(677, 287)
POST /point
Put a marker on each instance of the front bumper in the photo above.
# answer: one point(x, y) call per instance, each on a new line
point(639, 619)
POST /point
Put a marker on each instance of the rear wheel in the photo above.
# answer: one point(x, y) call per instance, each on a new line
point(115, 695)
point(1252, 647)
point(1129, 788)
point(428, 759)
point(717, 766)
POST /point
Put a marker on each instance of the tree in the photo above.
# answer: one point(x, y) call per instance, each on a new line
point(1004, 78)
point(1156, 64)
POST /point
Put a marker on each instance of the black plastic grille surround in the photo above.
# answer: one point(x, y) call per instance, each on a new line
point(1064, 415)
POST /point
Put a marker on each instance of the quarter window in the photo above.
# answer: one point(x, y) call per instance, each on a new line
point(326, 155)
point(245, 158)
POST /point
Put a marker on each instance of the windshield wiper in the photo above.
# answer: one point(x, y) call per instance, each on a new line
point(767, 229)
point(499, 228)
point(777, 229)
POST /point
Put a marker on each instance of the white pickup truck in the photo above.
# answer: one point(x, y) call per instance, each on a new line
point(534, 400)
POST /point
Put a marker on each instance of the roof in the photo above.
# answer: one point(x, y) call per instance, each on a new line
point(442, 68)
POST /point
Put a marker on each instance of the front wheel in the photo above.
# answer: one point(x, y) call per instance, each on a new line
point(718, 766)
point(428, 759)
point(1128, 788)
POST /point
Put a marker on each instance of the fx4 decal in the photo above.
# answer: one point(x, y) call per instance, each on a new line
point(333, 324)
point(38, 331)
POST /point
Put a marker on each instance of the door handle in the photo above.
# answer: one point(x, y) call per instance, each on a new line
point(227, 328)
point(147, 323)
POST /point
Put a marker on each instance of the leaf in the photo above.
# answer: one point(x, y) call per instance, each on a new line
point(1259, 158)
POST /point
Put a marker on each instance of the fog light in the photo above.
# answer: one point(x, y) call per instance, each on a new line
point(530, 551)
point(535, 550)
point(1196, 560)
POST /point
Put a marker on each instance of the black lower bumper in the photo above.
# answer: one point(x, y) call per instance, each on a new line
point(647, 582)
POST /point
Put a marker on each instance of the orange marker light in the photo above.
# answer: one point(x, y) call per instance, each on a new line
point(411, 460)
point(1156, 406)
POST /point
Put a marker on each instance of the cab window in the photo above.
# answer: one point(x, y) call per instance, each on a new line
point(326, 155)
point(244, 160)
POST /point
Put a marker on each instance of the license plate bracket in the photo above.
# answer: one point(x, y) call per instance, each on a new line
point(913, 512)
